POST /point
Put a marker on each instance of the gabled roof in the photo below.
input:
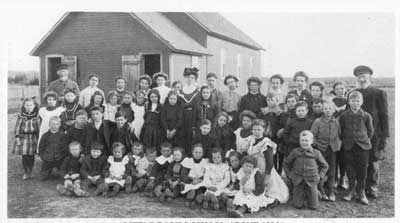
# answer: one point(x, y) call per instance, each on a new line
point(169, 33)
point(217, 25)
point(160, 26)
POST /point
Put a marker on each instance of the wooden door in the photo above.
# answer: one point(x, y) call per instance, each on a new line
point(131, 70)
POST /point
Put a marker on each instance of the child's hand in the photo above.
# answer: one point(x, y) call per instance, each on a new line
point(174, 184)
point(118, 178)
point(91, 178)
point(247, 190)
point(213, 189)
point(96, 178)
point(67, 176)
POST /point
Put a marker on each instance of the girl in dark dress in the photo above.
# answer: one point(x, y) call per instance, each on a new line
point(223, 132)
point(186, 99)
point(71, 105)
point(152, 133)
point(204, 107)
point(126, 102)
point(171, 118)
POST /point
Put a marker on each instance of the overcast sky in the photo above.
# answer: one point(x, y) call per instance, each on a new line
point(322, 44)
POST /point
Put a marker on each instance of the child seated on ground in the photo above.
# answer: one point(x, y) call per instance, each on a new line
point(70, 169)
point(216, 178)
point(173, 177)
point(193, 172)
point(92, 168)
point(77, 132)
point(250, 196)
point(158, 172)
point(117, 171)
point(305, 167)
point(136, 154)
point(52, 148)
point(143, 169)
point(326, 132)
point(226, 198)
point(205, 138)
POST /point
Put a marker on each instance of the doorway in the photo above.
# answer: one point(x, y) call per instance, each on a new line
point(52, 63)
point(152, 64)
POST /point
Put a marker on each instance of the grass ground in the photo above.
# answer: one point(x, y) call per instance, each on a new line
point(36, 199)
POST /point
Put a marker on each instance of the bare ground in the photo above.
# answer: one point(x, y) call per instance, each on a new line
point(36, 199)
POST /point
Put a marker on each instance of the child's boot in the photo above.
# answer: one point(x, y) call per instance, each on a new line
point(115, 190)
point(190, 197)
point(229, 205)
point(215, 202)
point(363, 198)
point(128, 184)
point(331, 195)
point(61, 189)
point(80, 193)
point(200, 198)
point(349, 196)
point(168, 194)
point(134, 188)
point(205, 199)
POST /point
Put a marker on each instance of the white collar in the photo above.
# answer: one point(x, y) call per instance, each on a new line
point(161, 159)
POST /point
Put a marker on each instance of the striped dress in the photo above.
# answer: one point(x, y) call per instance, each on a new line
point(27, 130)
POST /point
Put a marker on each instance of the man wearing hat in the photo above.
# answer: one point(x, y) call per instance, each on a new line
point(375, 103)
point(230, 100)
point(161, 78)
point(63, 83)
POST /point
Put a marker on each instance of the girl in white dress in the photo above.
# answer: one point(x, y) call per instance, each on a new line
point(87, 93)
point(111, 107)
point(263, 149)
point(51, 109)
point(216, 179)
point(250, 196)
point(160, 79)
point(118, 171)
point(193, 173)
point(139, 110)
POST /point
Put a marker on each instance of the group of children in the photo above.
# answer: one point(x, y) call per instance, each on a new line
point(216, 149)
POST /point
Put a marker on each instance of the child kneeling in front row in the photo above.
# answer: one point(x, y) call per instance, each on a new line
point(305, 167)
point(70, 169)
point(118, 171)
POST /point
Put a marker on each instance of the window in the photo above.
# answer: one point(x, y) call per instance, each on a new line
point(238, 65)
point(223, 62)
point(195, 62)
point(251, 66)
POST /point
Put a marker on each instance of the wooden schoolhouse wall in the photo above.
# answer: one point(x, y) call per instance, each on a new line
point(99, 40)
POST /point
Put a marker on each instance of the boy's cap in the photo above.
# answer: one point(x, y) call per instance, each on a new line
point(362, 69)
point(62, 66)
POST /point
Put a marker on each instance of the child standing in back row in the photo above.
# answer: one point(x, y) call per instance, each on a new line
point(26, 135)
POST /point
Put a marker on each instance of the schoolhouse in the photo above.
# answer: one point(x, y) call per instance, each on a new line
point(130, 44)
